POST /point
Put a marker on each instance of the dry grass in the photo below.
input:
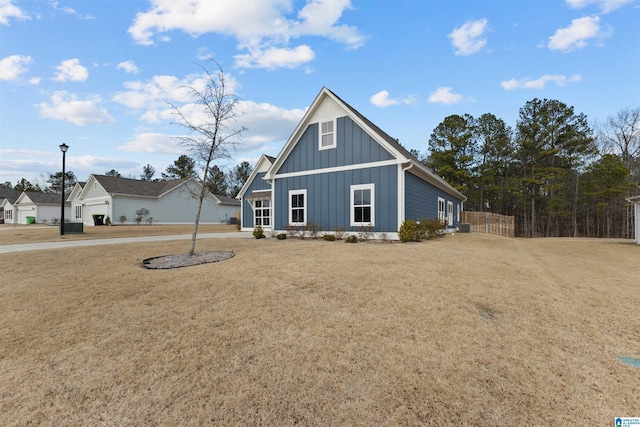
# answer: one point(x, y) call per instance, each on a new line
point(17, 234)
point(467, 330)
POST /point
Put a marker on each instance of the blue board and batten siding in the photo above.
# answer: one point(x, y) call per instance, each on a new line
point(354, 146)
point(256, 185)
point(421, 200)
point(328, 201)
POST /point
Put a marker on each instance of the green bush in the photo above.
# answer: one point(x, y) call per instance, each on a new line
point(329, 237)
point(411, 231)
point(258, 232)
point(432, 227)
point(123, 219)
point(107, 220)
point(351, 239)
point(281, 236)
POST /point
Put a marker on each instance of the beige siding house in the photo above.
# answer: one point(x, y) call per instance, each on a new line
point(44, 207)
point(164, 202)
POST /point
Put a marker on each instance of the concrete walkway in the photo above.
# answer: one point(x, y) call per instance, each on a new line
point(94, 242)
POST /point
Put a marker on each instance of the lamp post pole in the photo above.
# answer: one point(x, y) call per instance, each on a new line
point(63, 147)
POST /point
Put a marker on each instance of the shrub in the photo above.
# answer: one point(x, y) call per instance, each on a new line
point(351, 239)
point(150, 220)
point(313, 229)
point(107, 220)
point(281, 236)
point(138, 219)
point(258, 232)
point(123, 219)
point(338, 232)
point(432, 227)
point(365, 232)
point(329, 237)
point(384, 237)
point(239, 225)
point(294, 231)
point(411, 231)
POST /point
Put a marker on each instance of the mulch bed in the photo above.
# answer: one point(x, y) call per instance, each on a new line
point(184, 260)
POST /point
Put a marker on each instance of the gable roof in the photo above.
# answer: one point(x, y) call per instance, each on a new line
point(414, 165)
point(135, 187)
point(39, 198)
point(264, 161)
point(8, 193)
point(224, 200)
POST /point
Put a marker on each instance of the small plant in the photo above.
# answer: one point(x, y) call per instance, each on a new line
point(365, 232)
point(123, 219)
point(258, 232)
point(313, 229)
point(150, 220)
point(433, 227)
point(238, 225)
point(384, 237)
point(411, 231)
point(351, 239)
point(338, 232)
point(281, 236)
point(107, 220)
point(138, 219)
point(329, 237)
point(294, 231)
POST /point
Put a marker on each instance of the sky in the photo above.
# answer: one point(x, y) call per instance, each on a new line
point(100, 75)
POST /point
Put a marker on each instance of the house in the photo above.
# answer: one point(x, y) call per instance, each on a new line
point(167, 202)
point(339, 170)
point(636, 203)
point(42, 207)
point(8, 196)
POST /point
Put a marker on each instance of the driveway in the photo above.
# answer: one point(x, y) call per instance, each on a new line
point(116, 241)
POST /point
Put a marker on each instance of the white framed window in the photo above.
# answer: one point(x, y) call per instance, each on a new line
point(298, 207)
point(363, 205)
point(8, 214)
point(327, 135)
point(450, 213)
point(78, 212)
point(441, 209)
point(262, 213)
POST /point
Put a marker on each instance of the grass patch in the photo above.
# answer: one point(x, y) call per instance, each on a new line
point(315, 333)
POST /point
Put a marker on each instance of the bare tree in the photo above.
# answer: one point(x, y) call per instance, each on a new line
point(210, 136)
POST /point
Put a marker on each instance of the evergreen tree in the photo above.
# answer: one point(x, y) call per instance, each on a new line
point(183, 167)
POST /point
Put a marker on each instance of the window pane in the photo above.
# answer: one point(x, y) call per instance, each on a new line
point(358, 214)
point(357, 197)
point(265, 221)
point(327, 140)
point(301, 200)
point(294, 200)
point(266, 203)
point(258, 203)
point(265, 212)
point(258, 221)
point(366, 215)
point(366, 197)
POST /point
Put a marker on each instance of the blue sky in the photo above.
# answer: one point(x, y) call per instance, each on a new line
point(97, 75)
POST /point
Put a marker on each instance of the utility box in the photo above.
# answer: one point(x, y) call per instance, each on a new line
point(73, 227)
point(464, 227)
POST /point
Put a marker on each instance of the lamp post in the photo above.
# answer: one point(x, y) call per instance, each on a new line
point(63, 147)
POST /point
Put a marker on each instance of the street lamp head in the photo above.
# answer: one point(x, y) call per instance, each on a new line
point(64, 147)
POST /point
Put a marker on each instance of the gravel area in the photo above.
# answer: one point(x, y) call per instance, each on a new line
point(184, 260)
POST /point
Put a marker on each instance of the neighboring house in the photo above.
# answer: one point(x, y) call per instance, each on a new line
point(339, 170)
point(636, 203)
point(11, 195)
point(44, 207)
point(9, 212)
point(166, 202)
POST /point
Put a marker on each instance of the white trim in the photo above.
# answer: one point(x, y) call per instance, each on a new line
point(372, 205)
point(302, 191)
point(338, 169)
point(334, 126)
point(401, 192)
point(442, 215)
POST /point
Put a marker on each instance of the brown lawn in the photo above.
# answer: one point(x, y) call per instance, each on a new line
point(467, 330)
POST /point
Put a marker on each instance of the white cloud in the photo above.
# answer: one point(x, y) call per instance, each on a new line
point(13, 66)
point(158, 90)
point(264, 27)
point(382, 100)
point(128, 67)
point(273, 57)
point(266, 123)
point(66, 9)
point(71, 70)
point(576, 35)
point(540, 83)
point(605, 6)
point(9, 10)
point(154, 143)
point(68, 107)
point(443, 95)
point(468, 38)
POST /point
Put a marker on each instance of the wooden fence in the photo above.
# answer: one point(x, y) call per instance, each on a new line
point(487, 222)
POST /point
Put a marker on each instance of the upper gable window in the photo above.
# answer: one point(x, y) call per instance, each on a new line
point(327, 135)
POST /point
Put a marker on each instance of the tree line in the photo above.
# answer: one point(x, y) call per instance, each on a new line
point(555, 173)
point(219, 181)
